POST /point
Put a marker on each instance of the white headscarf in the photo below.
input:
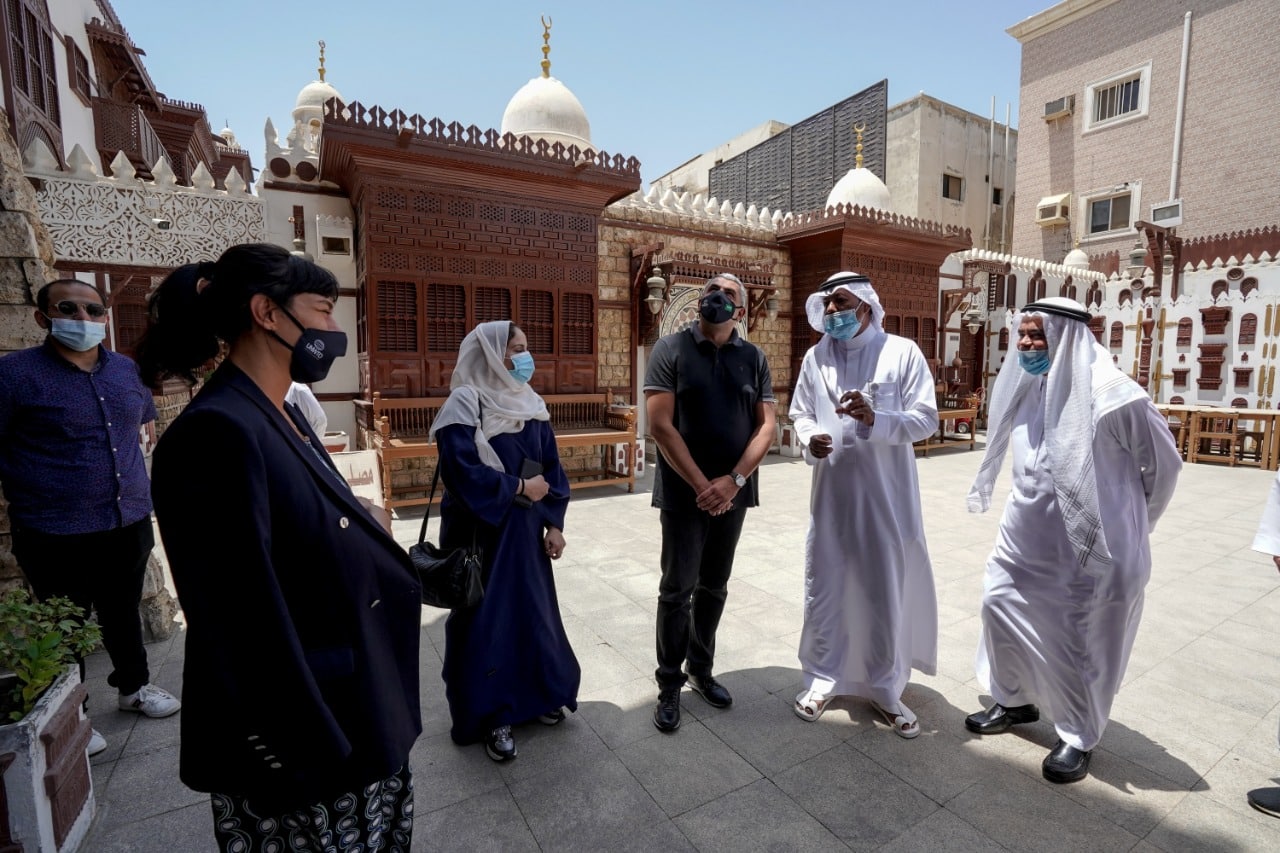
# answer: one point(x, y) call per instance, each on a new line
point(1081, 385)
point(483, 389)
point(857, 284)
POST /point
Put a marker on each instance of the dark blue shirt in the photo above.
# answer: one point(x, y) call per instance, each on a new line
point(69, 455)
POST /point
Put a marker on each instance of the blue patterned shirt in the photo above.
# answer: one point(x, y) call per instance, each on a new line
point(69, 455)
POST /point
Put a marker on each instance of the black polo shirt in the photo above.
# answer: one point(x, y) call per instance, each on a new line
point(717, 390)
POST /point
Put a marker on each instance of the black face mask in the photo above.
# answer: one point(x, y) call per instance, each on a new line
point(314, 352)
point(716, 307)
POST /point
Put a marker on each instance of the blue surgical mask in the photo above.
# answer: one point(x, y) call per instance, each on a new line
point(1034, 361)
point(522, 367)
point(78, 335)
point(842, 325)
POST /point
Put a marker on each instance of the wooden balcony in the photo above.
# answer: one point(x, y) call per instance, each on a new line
point(124, 127)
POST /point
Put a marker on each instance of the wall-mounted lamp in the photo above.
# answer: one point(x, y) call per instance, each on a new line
point(974, 321)
point(1137, 261)
point(657, 286)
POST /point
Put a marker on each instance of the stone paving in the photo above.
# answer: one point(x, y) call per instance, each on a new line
point(1192, 730)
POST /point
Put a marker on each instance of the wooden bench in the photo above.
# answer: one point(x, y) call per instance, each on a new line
point(952, 411)
point(402, 425)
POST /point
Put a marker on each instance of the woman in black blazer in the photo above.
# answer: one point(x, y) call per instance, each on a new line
point(300, 686)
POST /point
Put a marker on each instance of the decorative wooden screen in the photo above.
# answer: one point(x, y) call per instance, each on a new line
point(1124, 297)
point(1180, 375)
point(397, 322)
point(1037, 285)
point(911, 328)
point(1094, 296)
point(537, 319)
point(1219, 288)
point(1011, 292)
point(1097, 325)
point(892, 324)
point(1249, 285)
point(1184, 332)
point(1248, 329)
point(1117, 335)
point(929, 337)
point(1243, 377)
point(1068, 290)
point(1003, 345)
point(446, 317)
point(578, 324)
point(492, 303)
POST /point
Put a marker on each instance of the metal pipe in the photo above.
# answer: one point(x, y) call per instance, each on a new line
point(1182, 103)
point(991, 166)
point(1004, 201)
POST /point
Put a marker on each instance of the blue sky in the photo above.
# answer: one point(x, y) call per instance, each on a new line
point(660, 80)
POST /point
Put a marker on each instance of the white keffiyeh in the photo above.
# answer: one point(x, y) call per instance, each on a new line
point(857, 284)
point(481, 385)
point(1082, 385)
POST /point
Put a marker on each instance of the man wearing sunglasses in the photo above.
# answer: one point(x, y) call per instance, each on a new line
point(71, 412)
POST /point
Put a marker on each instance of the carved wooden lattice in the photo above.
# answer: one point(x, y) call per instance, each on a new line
point(397, 316)
point(1248, 329)
point(1184, 332)
point(1097, 325)
point(1117, 335)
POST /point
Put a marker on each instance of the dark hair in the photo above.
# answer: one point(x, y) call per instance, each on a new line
point(187, 324)
point(42, 295)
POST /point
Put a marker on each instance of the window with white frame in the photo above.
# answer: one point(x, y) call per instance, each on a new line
point(1111, 211)
point(1118, 98)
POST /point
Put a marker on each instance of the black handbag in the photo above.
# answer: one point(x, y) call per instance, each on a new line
point(450, 577)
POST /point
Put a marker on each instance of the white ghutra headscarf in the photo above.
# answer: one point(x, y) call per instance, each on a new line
point(484, 394)
point(857, 284)
point(1081, 386)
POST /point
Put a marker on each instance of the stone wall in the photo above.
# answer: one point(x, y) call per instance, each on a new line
point(26, 263)
point(685, 229)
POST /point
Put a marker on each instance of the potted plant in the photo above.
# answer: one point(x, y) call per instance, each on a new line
point(46, 791)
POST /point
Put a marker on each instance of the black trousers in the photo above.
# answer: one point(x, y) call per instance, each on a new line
point(97, 571)
point(697, 557)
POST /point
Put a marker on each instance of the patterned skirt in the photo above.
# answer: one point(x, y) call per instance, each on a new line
point(377, 818)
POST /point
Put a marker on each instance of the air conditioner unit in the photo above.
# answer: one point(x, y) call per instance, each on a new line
point(1168, 214)
point(1064, 106)
point(1053, 210)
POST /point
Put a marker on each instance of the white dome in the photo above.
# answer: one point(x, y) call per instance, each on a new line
point(544, 108)
point(310, 103)
point(1077, 257)
point(228, 136)
point(860, 187)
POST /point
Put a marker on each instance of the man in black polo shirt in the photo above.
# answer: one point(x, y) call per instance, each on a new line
point(709, 398)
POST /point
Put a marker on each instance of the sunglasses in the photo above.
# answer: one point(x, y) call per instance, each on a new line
point(69, 308)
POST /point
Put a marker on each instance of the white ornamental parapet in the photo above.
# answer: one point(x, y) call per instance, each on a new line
point(126, 221)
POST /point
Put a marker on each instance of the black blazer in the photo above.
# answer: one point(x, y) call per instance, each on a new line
point(301, 673)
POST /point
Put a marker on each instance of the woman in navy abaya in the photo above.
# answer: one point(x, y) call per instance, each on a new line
point(507, 660)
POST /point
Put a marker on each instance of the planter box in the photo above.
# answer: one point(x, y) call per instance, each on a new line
point(46, 791)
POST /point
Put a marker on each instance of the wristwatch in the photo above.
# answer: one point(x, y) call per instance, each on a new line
point(738, 480)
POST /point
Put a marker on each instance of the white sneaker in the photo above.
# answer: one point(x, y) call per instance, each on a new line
point(97, 743)
point(150, 700)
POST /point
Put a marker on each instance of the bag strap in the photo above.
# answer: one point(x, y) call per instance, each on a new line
point(435, 478)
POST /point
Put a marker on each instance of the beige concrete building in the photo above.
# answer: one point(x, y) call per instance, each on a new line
point(1127, 105)
point(692, 176)
point(954, 167)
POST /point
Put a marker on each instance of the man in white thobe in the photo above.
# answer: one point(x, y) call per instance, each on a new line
point(1267, 800)
point(870, 611)
point(1094, 466)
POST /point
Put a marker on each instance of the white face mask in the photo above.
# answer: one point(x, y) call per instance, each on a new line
point(77, 335)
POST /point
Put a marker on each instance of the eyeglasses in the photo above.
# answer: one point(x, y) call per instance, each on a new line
point(70, 308)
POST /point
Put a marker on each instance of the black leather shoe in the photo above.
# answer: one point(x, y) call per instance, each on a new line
point(666, 716)
point(998, 718)
point(1266, 800)
point(713, 691)
point(1066, 764)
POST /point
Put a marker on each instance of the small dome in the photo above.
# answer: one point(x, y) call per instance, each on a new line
point(228, 136)
point(1077, 257)
point(544, 108)
point(860, 187)
point(310, 103)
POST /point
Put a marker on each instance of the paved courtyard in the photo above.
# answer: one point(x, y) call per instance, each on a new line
point(1192, 730)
